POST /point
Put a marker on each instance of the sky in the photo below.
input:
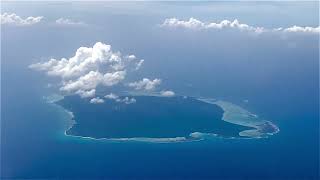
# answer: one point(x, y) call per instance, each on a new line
point(169, 27)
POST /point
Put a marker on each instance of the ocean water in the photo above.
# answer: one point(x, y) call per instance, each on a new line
point(34, 146)
point(264, 75)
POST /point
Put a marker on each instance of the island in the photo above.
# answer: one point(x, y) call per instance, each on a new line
point(160, 119)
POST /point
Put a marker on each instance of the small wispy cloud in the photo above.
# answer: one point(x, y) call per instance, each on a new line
point(96, 100)
point(196, 24)
point(13, 19)
point(64, 21)
point(145, 84)
point(86, 94)
point(302, 29)
point(167, 93)
point(111, 96)
point(116, 98)
point(127, 100)
point(193, 23)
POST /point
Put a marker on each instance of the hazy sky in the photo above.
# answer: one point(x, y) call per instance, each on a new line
point(181, 55)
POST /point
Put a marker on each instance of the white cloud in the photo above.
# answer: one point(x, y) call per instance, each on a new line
point(14, 19)
point(96, 100)
point(193, 23)
point(127, 100)
point(85, 60)
point(196, 24)
point(111, 96)
point(131, 57)
point(110, 79)
point(139, 64)
point(145, 84)
point(89, 68)
point(303, 29)
point(92, 80)
point(167, 93)
point(86, 82)
point(86, 94)
point(63, 21)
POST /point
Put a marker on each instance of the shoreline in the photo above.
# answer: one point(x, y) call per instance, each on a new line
point(237, 115)
point(192, 137)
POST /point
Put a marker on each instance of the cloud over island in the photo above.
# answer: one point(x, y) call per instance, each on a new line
point(145, 84)
point(92, 67)
point(167, 93)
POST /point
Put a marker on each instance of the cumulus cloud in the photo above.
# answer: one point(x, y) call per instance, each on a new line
point(14, 19)
point(63, 21)
point(167, 93)
point(196, 24)
point(96, 100)
point(110, 79)
point(89, 68)
point(85, 82)
point(145, 84)
point(85, 60)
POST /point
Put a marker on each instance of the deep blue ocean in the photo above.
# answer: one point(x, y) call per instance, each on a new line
point(33, 144)
point(280, 84)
